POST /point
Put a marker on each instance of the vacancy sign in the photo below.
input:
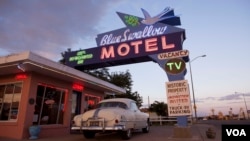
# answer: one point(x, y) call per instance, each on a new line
point(173, 54)
point(178, 98)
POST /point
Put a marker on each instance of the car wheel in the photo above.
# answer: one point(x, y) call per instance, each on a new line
point(146, 129)
point(126, 134)
point(88, 134)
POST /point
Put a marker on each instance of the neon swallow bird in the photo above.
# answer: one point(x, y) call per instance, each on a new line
point(148, 20)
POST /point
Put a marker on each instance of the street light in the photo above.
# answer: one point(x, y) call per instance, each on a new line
point(195, 112)
point(245, 103)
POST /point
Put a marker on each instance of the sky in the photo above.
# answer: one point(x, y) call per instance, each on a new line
point(218, 29)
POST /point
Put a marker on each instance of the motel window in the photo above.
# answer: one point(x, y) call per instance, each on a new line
point(10, 96)
point(90, 101)
point(50, 104)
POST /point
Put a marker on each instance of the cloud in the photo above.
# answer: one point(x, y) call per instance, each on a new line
point(49, 27)
point(205, 99)
point(222, 104)
point(230, 97)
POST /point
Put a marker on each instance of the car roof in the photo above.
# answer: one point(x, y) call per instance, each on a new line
point(127, 101)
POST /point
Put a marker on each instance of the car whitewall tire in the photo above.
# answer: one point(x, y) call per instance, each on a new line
point(126, 134)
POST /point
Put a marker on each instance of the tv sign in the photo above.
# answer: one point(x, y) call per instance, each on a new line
point(175, 66)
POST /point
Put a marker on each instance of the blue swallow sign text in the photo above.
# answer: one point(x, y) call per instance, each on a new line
point(132, 44)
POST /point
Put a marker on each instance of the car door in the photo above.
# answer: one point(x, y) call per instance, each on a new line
point(138, 116)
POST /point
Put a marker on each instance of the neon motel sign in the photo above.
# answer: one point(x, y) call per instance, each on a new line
point(131, 44)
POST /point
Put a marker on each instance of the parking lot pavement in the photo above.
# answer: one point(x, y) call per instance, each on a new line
point(202, 128)
point(158, 133)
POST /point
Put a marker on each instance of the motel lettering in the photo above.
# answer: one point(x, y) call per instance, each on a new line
point(148, 31)
point(135, 47)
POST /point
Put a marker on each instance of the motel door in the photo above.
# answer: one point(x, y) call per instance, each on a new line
point(76, 104)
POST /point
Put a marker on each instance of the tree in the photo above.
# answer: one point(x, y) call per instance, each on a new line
point(135, 96)
point(120, 79)
point(160, 108)
point(124, 80)
point(101, 73)
point(63, 61)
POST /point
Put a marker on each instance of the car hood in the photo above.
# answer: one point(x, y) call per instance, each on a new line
point(106, 113)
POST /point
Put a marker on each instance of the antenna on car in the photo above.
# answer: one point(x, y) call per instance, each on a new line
point(110, 94)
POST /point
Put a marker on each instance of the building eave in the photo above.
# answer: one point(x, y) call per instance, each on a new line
point(33, 62)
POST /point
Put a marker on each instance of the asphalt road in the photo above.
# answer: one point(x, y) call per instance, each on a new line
point(157, 133)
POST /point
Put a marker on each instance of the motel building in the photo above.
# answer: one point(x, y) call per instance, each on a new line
point(38, 91)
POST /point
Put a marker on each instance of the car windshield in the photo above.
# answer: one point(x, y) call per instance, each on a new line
point(112, 104)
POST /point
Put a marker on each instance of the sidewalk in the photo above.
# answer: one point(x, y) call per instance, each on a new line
point(198, 131)
point(202, 128)
point(159, 133)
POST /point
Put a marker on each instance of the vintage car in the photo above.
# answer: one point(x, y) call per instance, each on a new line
point(112, 115)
